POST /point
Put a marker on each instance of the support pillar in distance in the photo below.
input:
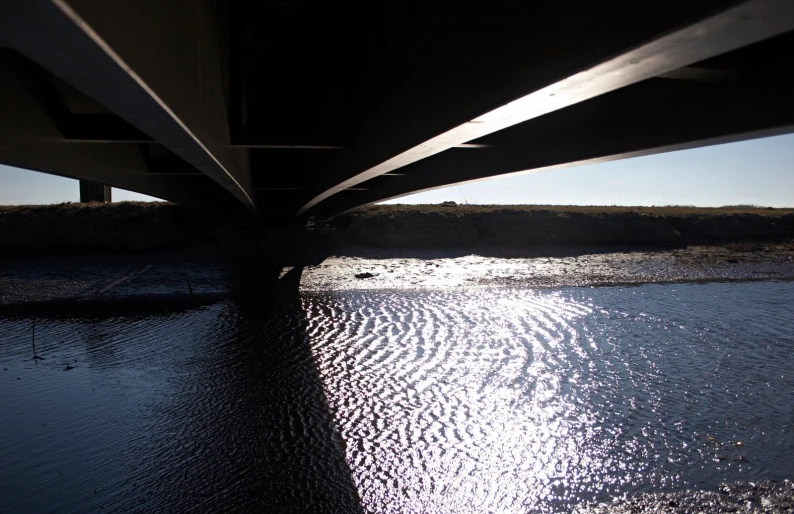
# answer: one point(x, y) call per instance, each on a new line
point(94, 192)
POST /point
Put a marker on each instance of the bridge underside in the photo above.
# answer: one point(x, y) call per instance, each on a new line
point(294, 109)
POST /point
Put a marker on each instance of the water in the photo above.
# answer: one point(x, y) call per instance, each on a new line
point(492, 400)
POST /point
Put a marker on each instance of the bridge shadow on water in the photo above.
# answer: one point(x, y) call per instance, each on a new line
point(285, 450)
point(287, 453)
point(234, 419)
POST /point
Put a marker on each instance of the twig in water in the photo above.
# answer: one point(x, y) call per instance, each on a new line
point(189, 288)
point(33, 340)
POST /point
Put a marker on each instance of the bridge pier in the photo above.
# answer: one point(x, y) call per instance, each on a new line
point(94, 192)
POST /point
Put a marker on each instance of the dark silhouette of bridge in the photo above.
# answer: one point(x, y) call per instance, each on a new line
point(297, 108)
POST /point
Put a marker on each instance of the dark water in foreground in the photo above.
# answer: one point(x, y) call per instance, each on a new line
point(478, 401)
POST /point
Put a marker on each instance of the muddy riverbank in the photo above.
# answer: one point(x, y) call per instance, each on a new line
point(768, 496)
point(368, 268)
point(74, 252)
point(91, 279)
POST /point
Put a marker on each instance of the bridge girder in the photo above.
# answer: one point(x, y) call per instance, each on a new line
point(656, 116)
point(155, 69)
point(732, 28)
point(308, 107)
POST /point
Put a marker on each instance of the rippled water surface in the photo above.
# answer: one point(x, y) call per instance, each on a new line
point(482, 401)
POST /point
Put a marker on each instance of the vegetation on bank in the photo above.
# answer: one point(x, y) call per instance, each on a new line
point(450, 225)
point(143, 226)
point(118, 227)
point(669, 210)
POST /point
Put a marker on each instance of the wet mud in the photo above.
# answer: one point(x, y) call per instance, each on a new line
point(369, 268)
point(108, 277)
point(768, 496)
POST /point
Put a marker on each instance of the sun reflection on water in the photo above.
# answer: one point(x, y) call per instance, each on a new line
point(511, 400)
point(463, 407)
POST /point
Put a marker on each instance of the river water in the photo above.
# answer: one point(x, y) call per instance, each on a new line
point(481, 400)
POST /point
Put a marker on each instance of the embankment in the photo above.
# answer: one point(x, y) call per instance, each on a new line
point(454, 226)
point(133, 227)
point(72, 252)
point(34, 230)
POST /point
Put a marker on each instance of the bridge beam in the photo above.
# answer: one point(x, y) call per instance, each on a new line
point(159, 66)
point(31, 138)
point(647, 55)
point(655, 116)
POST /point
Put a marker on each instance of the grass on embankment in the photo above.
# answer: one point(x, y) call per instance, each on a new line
point(533, 225)
point(98, 227)
point(143, 226)
point(668, 210)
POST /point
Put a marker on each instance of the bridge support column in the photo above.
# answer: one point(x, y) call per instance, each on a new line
point(94, 192)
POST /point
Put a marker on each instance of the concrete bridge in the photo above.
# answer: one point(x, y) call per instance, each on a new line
point(289, 109)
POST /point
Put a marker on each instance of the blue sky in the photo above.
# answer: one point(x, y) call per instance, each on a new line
point(23, 187)
point(758, 172)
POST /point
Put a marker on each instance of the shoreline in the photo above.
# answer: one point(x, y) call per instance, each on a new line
point(547, 267)
point(770, 496)
point(77, 252)
point(50, 283)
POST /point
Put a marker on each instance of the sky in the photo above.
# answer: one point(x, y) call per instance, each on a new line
point(755, 172)
point(23, 187)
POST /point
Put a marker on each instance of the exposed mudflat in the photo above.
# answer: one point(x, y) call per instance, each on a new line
point(765, 496)
point(370, 268)
point(180, 274)
point(105, 277)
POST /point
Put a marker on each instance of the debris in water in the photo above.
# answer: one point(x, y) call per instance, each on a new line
point(33, 341)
